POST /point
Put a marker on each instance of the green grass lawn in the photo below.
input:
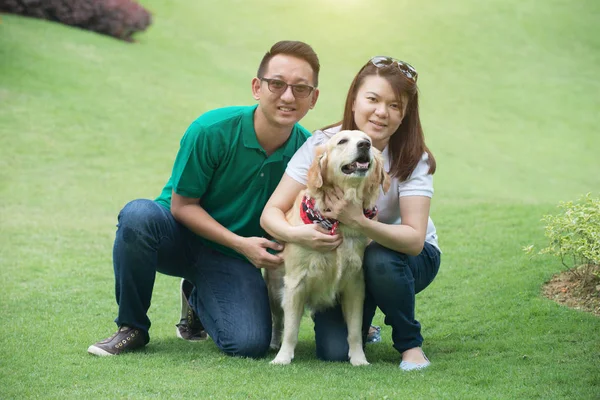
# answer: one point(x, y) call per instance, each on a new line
point(509, 99)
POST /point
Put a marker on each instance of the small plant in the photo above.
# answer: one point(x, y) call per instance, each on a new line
point(574, 237)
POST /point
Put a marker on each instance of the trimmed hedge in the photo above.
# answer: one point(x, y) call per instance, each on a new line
point(117, 18)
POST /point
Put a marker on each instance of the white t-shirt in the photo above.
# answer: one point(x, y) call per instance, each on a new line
point(419, 183)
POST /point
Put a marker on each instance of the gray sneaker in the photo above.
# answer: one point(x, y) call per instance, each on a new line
point(189, 327)
point(125, 339)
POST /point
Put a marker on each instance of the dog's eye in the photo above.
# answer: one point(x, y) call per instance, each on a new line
point(343, 141)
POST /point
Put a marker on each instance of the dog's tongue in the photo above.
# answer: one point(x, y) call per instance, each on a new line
point(362, 165)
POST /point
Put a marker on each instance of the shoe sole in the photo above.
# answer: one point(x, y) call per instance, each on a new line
point(98, 351)
point(409, 366)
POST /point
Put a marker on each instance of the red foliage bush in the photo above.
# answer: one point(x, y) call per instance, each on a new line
point(118, 18)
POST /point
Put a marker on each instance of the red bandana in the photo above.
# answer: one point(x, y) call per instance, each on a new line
point(311, 216)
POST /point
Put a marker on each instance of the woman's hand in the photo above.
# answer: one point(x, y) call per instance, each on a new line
point(315, 237)
point(347, 213)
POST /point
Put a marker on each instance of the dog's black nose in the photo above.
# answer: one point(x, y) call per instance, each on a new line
point(364, 144)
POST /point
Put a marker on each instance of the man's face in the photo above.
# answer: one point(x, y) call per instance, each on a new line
point(282, 109)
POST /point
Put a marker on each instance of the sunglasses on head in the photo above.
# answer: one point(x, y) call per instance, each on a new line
point(408, 70)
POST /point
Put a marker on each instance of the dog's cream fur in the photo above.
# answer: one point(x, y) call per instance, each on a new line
point(320, 279)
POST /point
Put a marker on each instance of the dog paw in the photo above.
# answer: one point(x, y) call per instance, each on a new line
point(358, 361)
point(281, 361)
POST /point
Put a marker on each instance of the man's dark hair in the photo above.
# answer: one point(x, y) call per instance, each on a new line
point(292, 48)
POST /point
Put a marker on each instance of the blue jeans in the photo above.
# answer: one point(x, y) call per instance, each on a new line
point(392, 280)
point(230, 295)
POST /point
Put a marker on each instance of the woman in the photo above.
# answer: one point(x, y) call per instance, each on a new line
point(404, 256)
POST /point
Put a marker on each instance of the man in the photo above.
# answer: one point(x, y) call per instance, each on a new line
point(204, 227)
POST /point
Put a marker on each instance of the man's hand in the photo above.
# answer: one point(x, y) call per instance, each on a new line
point(255, 250)
point(315, 237)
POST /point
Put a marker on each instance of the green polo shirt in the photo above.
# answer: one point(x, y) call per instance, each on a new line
point(221, 162)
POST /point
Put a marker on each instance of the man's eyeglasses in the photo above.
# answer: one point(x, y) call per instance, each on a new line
point(408, 70)
point(278, 86)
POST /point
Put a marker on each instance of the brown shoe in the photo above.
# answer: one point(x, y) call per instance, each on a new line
point(189, 327)
point(125, 339)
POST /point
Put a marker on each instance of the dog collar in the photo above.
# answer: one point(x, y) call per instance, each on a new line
point(309, 215)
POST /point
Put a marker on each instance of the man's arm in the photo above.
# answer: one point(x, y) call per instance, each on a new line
point(188, 211)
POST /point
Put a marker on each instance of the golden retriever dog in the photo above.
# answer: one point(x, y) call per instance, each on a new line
point(320, 279)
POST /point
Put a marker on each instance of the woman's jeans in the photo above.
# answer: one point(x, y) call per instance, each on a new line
point(392, 281)
point(230, 295)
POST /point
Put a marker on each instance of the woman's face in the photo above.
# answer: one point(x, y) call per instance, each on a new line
point(377, 111)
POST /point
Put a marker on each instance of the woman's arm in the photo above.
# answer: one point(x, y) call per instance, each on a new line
point(273, 220)
point(408, 237)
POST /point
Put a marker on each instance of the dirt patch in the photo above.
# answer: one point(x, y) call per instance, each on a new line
point(578, 289)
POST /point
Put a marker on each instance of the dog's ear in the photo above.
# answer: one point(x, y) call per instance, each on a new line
point(317, 169)
point(378, 178)
point(385, 180)
point(382, 176)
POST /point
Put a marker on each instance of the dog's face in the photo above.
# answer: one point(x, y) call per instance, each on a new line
point(348, 160)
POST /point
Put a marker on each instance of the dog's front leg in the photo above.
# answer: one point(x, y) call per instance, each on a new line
point(274, 279)
point(293, 307)
point(352, 299)
point(277, 328)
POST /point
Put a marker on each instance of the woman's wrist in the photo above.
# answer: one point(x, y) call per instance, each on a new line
point(274, 222)
point(363, 223)
point(285, 233)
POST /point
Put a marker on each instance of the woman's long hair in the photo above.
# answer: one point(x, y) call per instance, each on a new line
point(407, 144)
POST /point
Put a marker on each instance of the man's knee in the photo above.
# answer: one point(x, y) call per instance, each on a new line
point(140, 214)
point(332, 350)
point(139, 221)
point(246, 344)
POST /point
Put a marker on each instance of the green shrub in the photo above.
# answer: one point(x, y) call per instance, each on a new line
point(574, 234)
point(118, 18)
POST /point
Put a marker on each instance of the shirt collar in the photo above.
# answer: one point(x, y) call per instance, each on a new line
point(248, 132)
point(288, 149)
